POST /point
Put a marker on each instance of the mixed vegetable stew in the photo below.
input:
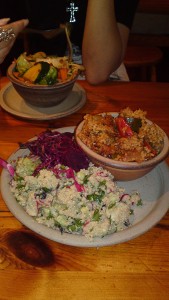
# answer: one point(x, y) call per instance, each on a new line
point(38, 68)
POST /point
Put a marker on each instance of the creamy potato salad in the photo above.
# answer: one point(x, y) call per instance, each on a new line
point(87, 202)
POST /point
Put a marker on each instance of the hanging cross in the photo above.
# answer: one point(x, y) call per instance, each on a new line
point(72, 10)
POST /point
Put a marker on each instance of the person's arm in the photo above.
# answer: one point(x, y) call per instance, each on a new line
point(17, 27)
point(104, 41)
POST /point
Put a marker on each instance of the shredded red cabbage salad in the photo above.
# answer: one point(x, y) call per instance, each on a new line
point(53, 147)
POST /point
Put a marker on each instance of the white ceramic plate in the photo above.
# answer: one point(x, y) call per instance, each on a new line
point(14, 104)
point(154, 190)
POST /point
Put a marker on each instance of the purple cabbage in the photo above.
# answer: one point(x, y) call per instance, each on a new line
point(7, 166)
point(53, 147)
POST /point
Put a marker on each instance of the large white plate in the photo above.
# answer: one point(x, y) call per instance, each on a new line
point(154, 189)
point(14, 104)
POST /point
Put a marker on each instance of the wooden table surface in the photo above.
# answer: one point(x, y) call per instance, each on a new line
point(33, 267)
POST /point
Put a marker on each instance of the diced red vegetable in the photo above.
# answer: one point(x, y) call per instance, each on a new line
point(62, 73)
point(123, 128)
point(150, 148)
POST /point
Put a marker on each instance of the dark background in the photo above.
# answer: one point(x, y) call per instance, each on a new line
point(151, 26)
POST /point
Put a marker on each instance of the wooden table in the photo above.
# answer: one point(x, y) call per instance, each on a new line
point(32, 267)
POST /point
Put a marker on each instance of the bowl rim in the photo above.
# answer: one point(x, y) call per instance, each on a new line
point(14, 80)
point(119, 164)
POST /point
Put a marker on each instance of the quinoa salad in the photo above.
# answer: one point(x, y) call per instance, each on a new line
point(129, 136)
point(86, 202)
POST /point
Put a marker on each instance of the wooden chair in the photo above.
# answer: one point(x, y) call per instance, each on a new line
point(142, 60)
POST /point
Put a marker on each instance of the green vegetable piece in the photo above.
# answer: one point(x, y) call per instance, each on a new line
point(76, 226)
point(22, 64)
point(96, 215)
point(26, 166)
point(140, 202)
point(134, 123)
point(86, 179)
point(102, 183)
point(96, 197)
point(111, 205)
point(50, 78)
point(62, 220)
point(46, 190)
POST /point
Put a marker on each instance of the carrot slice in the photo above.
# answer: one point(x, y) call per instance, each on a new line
point(62, 73)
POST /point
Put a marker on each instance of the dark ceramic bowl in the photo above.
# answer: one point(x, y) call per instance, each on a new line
point(41, 95)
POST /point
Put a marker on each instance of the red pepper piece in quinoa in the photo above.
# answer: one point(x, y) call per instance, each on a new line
point(123, 128)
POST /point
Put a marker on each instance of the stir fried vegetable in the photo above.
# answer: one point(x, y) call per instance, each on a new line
point(38, 68)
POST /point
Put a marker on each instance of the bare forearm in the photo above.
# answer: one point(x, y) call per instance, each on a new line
point(102, 45)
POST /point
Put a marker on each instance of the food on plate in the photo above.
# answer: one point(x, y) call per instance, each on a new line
point(7, 166)
point(59, 187)
point(53, 147)
point(127, 136)
point(86, 202)
point(38, 68)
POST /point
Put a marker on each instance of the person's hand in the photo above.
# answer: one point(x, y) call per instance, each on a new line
point(8, 34)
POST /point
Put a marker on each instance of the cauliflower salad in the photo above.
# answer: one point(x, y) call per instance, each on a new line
point(86, 202)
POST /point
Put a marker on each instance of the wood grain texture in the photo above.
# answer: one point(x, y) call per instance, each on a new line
point(35, 268)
